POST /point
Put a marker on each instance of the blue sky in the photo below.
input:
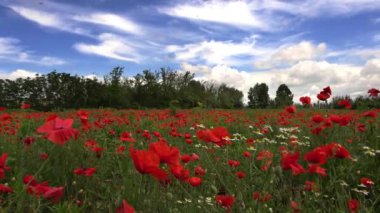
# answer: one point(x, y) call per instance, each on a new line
point(307, 44)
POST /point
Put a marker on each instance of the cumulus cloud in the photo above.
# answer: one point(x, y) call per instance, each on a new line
point(303, 78)
point(19, 73)
point(371, 69)
point(11, 50)
point(197, 69)
point(292, 53)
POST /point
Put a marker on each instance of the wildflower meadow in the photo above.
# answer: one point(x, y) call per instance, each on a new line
point(298, 159)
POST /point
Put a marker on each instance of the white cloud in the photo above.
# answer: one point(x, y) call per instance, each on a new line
point(112, 21)
point(40, 17)
point(292, 53)
point(19, 73)
point(48, 60)
point(235, 13)
point(65, 17)
point(11, 50)
point(218, 52)
point(52, 19)
point(302, 51)
point(303, 78)
point(371, 69)
point(8, 46)
point(197, 69)
point(247, 52)
point(266, 15)
point(110, 46)
point(94, 76)
point(316, 8)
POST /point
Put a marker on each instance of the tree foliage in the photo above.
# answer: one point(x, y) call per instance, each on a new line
point(149, 89)
point(284, 97)
point(258, 96)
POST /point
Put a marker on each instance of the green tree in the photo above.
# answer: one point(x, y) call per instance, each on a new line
point(258, 96)
point(229, 97)
point(284, 97)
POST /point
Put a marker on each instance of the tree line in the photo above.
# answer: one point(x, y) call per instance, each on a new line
point(164, 88)
point(150, 89)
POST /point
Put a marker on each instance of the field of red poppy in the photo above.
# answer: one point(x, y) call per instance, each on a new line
point(306, 160)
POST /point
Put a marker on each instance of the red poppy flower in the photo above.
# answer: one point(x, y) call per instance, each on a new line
point(85, 171)
point(59, 131)
point(247, 154)
point(317, 130)
point(167, 154)
point(6, 117)
point(38, 189)
point(345, 120)
point(28, 141)
point(218, 135)
point(225, 200)
point(308, 186)
point(125, 207)
point(267, 197)
point(3, 167)
point(195, 181)
point(240, 175)
point(233, 163)
point(323, 97)
point(327, 90)
point(306, 100)
point(180, 172)
point(148, 162)
point(127, 137)
point(156, 134)
point(353, 205)
point(5, 189)
point(317, 118)
point(324, 94)
point(338, 151)
point(256, 195)
point(295, 206)
point(44, 156)
point(314, 168)
point(371, 114)
point(367, 182)
point(290, 161)
point(84, 119)
point(266, 156)
point(360, 127)
point(185, 158)
point(345, 104)
point(373, 92)
point(199, 171)
point(291, 109)
point(317, 156)
point(53, 193)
